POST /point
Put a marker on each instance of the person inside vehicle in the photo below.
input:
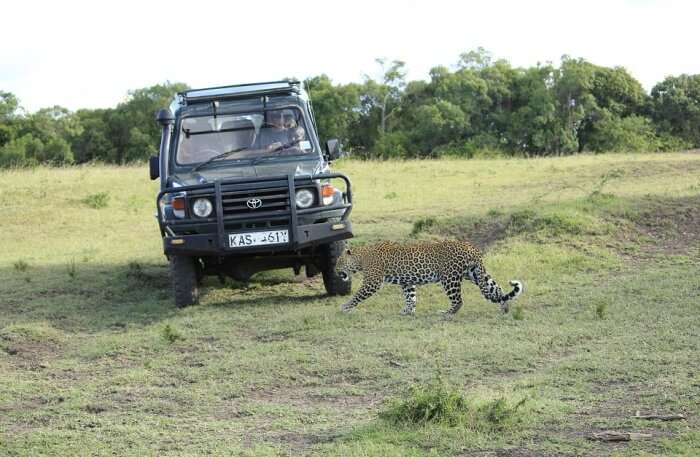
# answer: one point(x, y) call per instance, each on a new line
point(281, 131)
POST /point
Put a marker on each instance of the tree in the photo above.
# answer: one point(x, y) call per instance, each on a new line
point(335, 107)
point(676, 107)
point(93, 143)
point(387, 93)
point(8, 114)
point(136, 116)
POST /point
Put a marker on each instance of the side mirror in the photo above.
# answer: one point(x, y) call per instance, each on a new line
point(333, 149)
point(154, 167)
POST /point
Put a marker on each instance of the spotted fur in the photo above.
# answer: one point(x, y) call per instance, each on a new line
point(408, 265)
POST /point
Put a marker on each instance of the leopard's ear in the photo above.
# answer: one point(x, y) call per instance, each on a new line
point(347, 251)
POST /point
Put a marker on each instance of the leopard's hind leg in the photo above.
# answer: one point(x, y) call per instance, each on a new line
point(452, 284)
point(409, 293)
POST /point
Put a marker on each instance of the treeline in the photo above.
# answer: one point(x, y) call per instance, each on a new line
point(127, 133)
point(481, 107)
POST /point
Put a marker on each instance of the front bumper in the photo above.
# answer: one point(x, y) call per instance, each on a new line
point(208, 244)
point(210, 237)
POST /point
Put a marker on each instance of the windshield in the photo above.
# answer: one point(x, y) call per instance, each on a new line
point(250, 135)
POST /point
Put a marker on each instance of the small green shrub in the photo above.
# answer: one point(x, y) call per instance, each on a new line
point(21, 265)
point(135, 270)
point(391, 196)
point(601, 310)
point(424, 404)
point(494, 212)
point(71, 269)
point(422, 225)
point(171, 335)
point(528, 221)
point(97, 201)
point(438, 404)
point(518, 313)
point(498, 413)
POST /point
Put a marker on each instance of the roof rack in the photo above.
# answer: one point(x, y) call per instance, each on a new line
point(240, 91)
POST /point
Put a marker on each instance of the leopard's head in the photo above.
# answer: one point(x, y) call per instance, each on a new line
point(348, 263)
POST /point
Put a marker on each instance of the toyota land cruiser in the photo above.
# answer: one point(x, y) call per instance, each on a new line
point(245, 187)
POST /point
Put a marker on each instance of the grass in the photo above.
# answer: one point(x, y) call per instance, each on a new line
point(97, 201)
point(100, 362)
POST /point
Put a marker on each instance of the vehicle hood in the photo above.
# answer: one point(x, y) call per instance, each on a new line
point(297, 168)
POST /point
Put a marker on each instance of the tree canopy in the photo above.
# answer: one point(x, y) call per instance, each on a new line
point(480, 106)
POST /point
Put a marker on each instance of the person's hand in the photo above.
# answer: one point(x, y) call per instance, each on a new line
point(299, 134)
point(274, 145)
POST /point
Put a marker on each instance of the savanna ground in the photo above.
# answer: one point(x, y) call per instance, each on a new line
point(95, 359)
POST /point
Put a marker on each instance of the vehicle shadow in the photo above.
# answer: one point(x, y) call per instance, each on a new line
point(242, 301)
point(85, 296)
point(91, 297)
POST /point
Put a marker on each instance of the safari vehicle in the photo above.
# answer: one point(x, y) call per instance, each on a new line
point(245, 187)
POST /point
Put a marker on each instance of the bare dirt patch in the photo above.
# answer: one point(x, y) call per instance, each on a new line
point(515, 452)
point(673, 226)
point(309, 398)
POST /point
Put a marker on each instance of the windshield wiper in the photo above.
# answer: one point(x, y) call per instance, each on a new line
point(218, 156)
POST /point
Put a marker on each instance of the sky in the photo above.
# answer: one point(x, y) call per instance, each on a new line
point(90, 54)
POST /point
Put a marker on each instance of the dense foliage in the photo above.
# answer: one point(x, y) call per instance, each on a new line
point(481, 107)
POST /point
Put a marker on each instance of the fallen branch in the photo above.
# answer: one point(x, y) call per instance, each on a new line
point(620, 436)
point(661, 417)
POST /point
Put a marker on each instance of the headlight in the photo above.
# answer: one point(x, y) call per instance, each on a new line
point(305, 198)
point(202, 207)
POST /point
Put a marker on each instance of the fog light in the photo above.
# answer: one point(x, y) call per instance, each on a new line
point(202, 207)
point(304, 198)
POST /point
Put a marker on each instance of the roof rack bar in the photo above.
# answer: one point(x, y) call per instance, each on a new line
point(290, 82)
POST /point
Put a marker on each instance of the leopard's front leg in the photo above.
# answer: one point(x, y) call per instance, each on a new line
point(368, 288)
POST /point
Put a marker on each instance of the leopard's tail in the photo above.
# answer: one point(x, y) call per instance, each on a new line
point(493, 292)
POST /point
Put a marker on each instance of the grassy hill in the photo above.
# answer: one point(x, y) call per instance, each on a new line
point(95, 359)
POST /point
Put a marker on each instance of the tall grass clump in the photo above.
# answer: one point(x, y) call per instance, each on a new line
point(423, 225)
point(437, 404)
point(97, 201)
point(21, 265)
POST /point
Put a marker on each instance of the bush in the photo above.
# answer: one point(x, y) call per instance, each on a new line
point(57, 151)
point(97, 201)
point(422, 225)
point(628, 134)
point(28, 151)
point(391, 146)
point(438, 404)
point(424, 404)
point(20, 151)
point(170, 334)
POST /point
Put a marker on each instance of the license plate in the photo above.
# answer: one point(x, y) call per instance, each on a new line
point(241, 240)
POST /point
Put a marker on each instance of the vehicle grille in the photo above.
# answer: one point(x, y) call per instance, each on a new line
point(272, 198)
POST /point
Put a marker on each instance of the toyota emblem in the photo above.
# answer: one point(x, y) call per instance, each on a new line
point(254, 203)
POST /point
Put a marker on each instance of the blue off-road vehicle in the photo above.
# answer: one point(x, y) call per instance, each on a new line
point(246, 187)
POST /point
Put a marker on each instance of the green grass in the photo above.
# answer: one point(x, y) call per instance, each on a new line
point(96, 360)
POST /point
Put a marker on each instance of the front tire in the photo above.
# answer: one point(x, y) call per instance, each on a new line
point(334, 285)
point(185, 278)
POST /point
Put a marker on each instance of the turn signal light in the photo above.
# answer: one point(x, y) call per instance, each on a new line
point(327, 193)
point(327, 190)
point(178, 204)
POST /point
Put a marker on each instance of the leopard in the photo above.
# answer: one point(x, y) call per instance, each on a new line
point(417, 263)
